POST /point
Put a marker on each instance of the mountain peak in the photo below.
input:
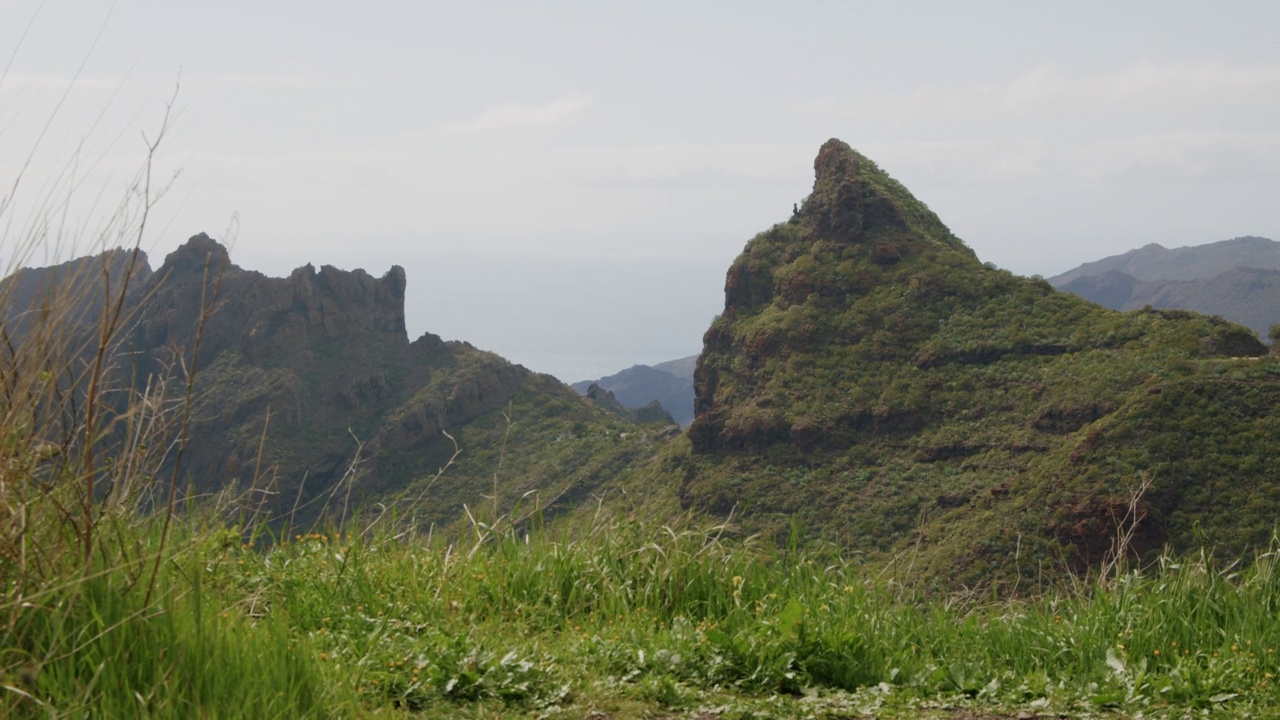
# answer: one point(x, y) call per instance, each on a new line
point(853, 200)
point(871, 378)
point(197, 252)
point(836, 161)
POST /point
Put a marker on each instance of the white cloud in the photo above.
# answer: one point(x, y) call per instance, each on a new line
point(38, 81)
point(516, 115)
point(675, 162)
point(1196, 156)
point(262, 82)
point(1168, 86)
point(1146, 86)
point(1182, 156)
point(1045, 91)
point(967, 162)
point(558, 200)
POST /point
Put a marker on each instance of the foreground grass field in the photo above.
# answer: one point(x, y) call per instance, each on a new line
point(619, 621)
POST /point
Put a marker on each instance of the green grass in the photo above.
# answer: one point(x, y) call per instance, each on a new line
point(622, 619)
point(682, 620)
point(94, 645)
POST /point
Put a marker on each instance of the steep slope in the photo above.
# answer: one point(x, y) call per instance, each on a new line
point(311, 402)
point(872, 379)
point(669, 383)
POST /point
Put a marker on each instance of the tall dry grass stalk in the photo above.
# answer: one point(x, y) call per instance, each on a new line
point(106, 607)
point(84, 435)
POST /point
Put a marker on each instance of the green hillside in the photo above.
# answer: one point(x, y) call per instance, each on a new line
point(871, 378)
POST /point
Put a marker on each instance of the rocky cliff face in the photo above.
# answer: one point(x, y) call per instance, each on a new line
point(870, 377)
point(267, 318)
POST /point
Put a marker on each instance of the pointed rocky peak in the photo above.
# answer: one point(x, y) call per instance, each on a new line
point(853, 200)
point(195, 254)
point(836, 163)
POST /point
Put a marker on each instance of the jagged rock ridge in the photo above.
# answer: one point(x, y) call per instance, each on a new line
point(309, 383)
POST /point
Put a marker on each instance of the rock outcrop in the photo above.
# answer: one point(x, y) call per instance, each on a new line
point(30, 292)
point(266, 319)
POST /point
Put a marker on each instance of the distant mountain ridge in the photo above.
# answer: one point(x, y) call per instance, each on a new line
point(1156, 262)
point(1238, 279)
point(669, 383)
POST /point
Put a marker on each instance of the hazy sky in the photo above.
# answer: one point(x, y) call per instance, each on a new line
point(567, 182)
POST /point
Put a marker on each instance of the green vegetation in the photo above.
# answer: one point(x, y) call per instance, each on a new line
point(114, 642)
point(618, 618)
point(626, 616)
point(119, 603)
point(312, 395)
